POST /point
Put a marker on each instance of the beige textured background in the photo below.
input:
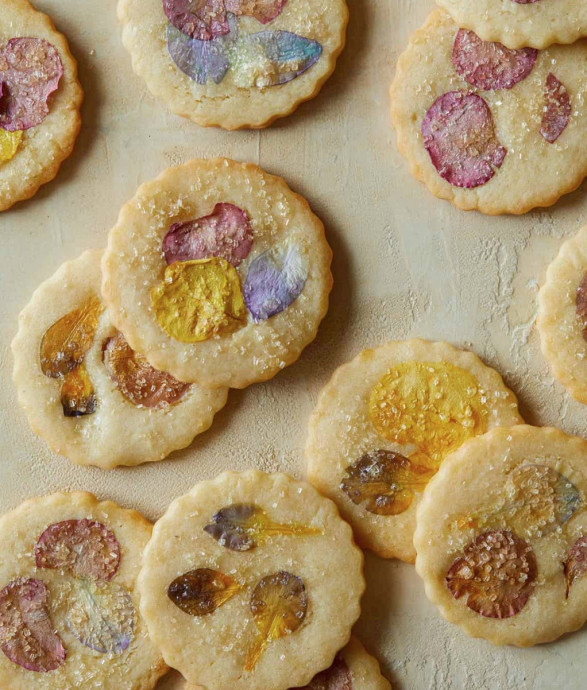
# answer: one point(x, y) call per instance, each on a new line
point(405, 265)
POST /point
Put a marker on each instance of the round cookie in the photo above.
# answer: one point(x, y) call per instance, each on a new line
point(251, 581)
point(385, 422)
point(505, 555)
point(475, 120)
point(69, 608)
point(353, 669)
point(85, 392)
point(41, 100)
point(218, 273)
point(521, 23)
point(562, 316)
point(233, 63)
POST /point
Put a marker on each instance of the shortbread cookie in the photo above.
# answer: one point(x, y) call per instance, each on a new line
point(353, 669)
point(251, 581)
point(502, 536)
point(85, 391)
point(385, 422)
point(233, 63)
point(69, 608)
point(521, 23)
point(40, 99)
point(562, 316)
point(218, 273)
point(475, 120)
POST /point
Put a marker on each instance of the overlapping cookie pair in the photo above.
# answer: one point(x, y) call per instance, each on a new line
point(424, 451)
point(216, 275)
point(481, 104)
point(250, 581)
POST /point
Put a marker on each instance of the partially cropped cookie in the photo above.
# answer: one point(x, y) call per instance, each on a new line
point(475, 120)
point(69, 607)
point(562, 316)
point(521, 23)
point(502, 536)
point(86, 392)
point(218, 273)
point(384, 424)
point(233, 63)
point(251, 581)
point(40, 99)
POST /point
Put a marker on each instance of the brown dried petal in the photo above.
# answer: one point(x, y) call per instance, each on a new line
point(497, 574)
point(581, 304)
point(84, 548)
point(27, 636)
point(202, 591)
point(279, 604)
point(241, 526)
point(137, 380)
point(78, 397)
point(385, 482)
point(337, 677)
point(67, 342)
point(576, 563)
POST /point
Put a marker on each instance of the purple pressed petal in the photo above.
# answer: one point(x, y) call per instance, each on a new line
point(200, 60)
point(557, 111)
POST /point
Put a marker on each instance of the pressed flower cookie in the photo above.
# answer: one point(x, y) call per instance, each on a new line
point(233, 63)
point(562, 316)
point(353, 669)
point(385, 422)
point(69, 609)
point(502, 536)
point(521, 23)
point(475, 120)
point(86, 392)
point(218, 273)
point(251, 581)
point(40, 99)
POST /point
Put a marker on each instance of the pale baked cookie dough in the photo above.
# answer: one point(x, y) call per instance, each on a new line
point(353, 669)
point(476, 120)
point(218, 273)
point(120, 412)
point(385, 422)
point(502, 536)
point(562, 316)
point(521, 23)
point(69, 607)
point(31, 157)
point(233, 63)
point(252, 582)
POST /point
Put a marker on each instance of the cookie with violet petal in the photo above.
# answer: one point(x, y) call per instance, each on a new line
point(562, 316)
point(384, 424)
point(86, 392)
point(521, 23)
point(69, 607)
point(218, 273)
point(505, 555)
point(233, 63)
point(40, 100)
point(475, 119)
point(251, 581)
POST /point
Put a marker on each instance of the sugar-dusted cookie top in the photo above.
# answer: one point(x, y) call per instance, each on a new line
point(40, 98)
point(502, 536)
point(86, 392)
point(475, 120)
point(384, 424)
point(562, 315)
point(251, 581)
point(233, 63)
point(521, 23)
point(218, 273)
point(69, 607)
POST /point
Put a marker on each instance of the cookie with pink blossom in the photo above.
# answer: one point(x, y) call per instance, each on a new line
point(233, 63)
point(475, 119)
